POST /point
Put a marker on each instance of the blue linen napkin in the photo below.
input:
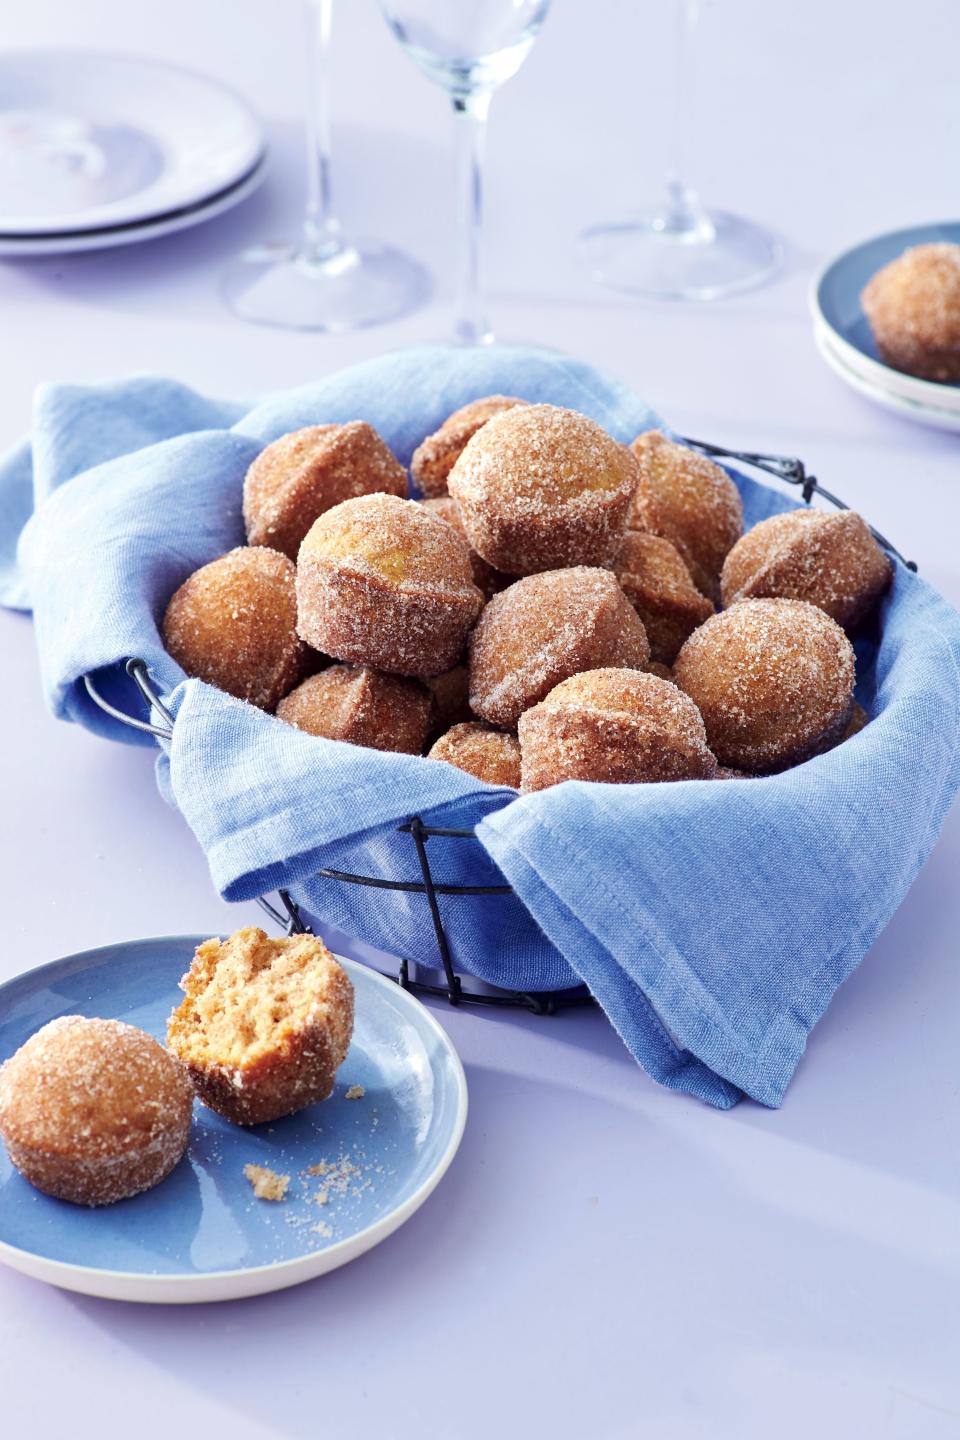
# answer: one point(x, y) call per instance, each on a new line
point(713, 921)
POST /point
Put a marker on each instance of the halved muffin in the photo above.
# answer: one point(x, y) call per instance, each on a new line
point(264, 1025)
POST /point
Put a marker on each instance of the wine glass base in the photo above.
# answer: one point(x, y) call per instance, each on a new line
point(361, 283)
point(644, 257)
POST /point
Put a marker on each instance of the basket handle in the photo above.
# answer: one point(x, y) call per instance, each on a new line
point(138, 672)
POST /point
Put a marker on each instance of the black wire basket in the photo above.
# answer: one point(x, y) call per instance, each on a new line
point(437, 975)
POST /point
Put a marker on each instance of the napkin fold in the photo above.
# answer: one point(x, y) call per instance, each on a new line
point(712, 921)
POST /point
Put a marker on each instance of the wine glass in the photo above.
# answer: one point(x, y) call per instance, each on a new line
point(681, 250)
point(324, 280)
point(469, 47)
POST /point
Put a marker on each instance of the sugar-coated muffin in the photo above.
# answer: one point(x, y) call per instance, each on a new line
point(490, 755)
point(435, 458)
point(656, 581)
point(264, 1025)
point(484, 576)
point(451, 698)
point(540, 488)
point(913, 306)
point(687, 499)
point(544, 628)
point(233, 623)
point(382, 582)
point(773, 680)
point(297, 478)
point(831, 560)
point(93, 1111)
point(363, 707)
point(622, 727)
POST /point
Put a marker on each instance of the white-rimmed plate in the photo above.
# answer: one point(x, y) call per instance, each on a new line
point(21, 248)
point(841, 323)
point(91, 141)
point(935, 417)
point(201, 1235)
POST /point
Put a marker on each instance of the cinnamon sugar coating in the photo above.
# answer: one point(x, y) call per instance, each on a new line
point(94, 1110)
point(485, 578)
point(656, 667)
point(913, 306)
point(687, 499)
point(382, 582)
point(545, 628)
point(434, 459)
point(540, 488)
point(773, 680)
point(490, 755)
point(451, 698)
point(622, 727)
point(362, 707)
point(264, 1024)
point(831, 560)
point(655, 580)
point(299, 477)
point(232, 623)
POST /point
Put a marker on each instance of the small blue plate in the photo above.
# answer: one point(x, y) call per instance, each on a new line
point(201, 1235)
point(836, 307)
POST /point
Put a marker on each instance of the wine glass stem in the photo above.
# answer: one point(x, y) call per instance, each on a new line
point(683, 216)
point(321, 229)
point(471, 110)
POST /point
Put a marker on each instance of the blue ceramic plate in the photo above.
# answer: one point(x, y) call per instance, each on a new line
point(201, 1234)
point(835, 302)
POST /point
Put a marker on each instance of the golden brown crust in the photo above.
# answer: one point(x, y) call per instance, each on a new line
point(541, 488)
point(687, 499)
point(300, 476)
point(435, 457)
point(545, 628)
point(362, 707)
point(773, 680)
point(382, 582)
point(656, 581)
point(264, 1025)
point(490, 755)
point(830, 560)
point(913, 307)
point(485, 578)
point(93, 1111)
point(232, 623)
point(619, 727)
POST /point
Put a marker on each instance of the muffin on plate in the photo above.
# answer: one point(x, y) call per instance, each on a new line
point(913, 307)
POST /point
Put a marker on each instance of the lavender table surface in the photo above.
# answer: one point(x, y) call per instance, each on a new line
point(604, 1259)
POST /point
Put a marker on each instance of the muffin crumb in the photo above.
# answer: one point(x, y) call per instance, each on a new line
point(267, 1184)
point(356, 1092)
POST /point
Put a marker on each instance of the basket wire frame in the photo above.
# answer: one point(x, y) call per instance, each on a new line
point(288, 917)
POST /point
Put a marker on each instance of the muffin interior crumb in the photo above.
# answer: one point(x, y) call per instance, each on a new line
point(267, 1184)
point(244, 999)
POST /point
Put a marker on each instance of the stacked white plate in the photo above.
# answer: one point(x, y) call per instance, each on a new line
point(99, 150)
point(845, 341)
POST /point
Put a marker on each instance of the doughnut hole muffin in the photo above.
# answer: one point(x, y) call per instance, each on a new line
point(434, 459)
point(545, 628)
point(657, 583)
point(300, 476)
point(540, 488)
point(913, 307)
point(94, 1110)
point(451, 698)
point(773, 680)
point(484, 576)
point(233, 623)
point(687, 499)
point(490, 755)
point(382, 582)
point(362, 707)
point(264, 1025)
point(830, 560)
point(621, 727)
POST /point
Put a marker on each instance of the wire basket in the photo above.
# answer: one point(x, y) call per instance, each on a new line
point(414, 970)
